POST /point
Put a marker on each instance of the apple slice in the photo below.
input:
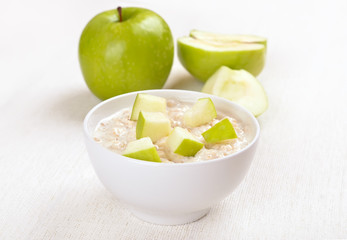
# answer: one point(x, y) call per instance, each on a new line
point(152, 124)
point(238, 86)
point(182, 142)
point(148, 103)
point(221, 131)
point(203, 53)
point(142, 149)
point(202, 112)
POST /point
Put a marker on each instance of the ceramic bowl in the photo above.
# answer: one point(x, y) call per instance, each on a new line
point(164, 193)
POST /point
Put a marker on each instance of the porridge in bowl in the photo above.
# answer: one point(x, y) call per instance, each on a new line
point(171, 193)
point(180, 132)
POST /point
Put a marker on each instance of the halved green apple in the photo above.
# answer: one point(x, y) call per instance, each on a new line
point(203, 53)
point(148, 103)
point(142, 149)
point(182, 142)
point(238, 86)
point(202, 112)
point(152, 124)
point(221, 131)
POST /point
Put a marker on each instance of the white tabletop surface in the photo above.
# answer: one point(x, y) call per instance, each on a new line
point(297, 185)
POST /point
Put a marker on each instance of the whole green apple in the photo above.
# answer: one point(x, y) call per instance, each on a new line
point(125, 50)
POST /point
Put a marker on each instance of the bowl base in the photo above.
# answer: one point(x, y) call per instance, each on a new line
point(170, 219)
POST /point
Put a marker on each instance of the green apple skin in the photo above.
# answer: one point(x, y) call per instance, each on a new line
point(202, 112)
point(149, 154)
point(221, 131)
point(189, 148)
point(202, 63)
point(142, 149)
point(152, 124)
point(117, 57)
point(147, 103)
point(182, 142)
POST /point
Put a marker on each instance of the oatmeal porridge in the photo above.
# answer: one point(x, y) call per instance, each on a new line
point(116, 131)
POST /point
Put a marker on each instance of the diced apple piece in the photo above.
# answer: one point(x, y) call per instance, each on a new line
point(202, 112)
point(221, 131)
point(152, 124)
point(142, 149)
point(182, 142)
point(238, 86)
point(148, 103)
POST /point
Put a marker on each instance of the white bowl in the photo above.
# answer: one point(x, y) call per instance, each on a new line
point(169, 194)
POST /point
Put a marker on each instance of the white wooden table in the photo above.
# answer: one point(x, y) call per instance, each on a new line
point(297, 185)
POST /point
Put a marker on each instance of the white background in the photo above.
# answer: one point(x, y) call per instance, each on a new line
point(297, 185)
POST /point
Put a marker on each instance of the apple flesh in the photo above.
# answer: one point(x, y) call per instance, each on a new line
point(221, 131)
point(142, 149)
point(222, 39)
point(202, 112)
point(123, 55)
point(148, 103)
point(152, 124)
point(182, 142)
point(238, 86)
point(204, 53)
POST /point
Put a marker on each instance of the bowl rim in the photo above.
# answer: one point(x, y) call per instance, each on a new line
point(160, 164)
